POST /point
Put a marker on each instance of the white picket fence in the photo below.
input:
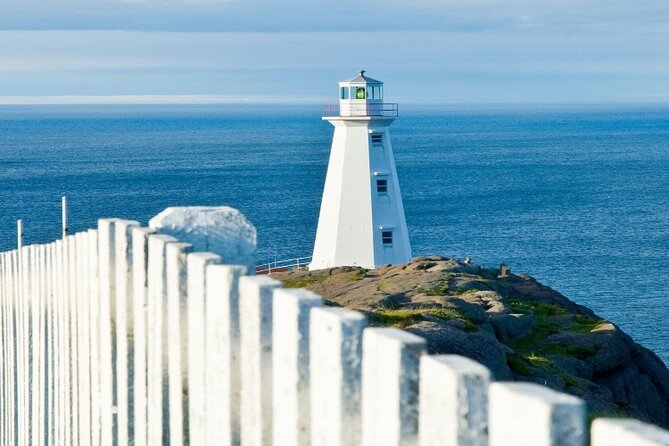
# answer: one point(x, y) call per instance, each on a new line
point(123, 336)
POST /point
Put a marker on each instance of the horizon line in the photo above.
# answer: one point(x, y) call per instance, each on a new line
point(157, 99)
point(214, 99)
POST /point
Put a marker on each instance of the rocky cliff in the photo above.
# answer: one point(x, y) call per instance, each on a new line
point(519, 328)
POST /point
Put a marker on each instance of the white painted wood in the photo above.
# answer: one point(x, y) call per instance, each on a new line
point(263, 365)
point(291, 399)
point(335, 376)
point(523, 414)
point(222, 353)
point(13, 347)
point(390, 372)
point(34, 345)
point(453, 401)
point(23, 377)
point(107, 278)
point(353, 213)
point(140, 250)
point(73, 352)
point(156, 338)
point(39, 349)
point(83, 337)
point(197, 411)
point(59, 352)
point(123, 314)
point(51, 345)
point(626, 432)
point(255, 328)
point(6, 314)
point(177, 337)
point(94, 334)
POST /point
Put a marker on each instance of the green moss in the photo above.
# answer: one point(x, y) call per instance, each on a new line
point(541, 329)
point(536, 308)
point(585, 324)
point(576, 351)
point(409, 316)
point(382, 286)
point(547, 365)
point(518, 365)
point(300, 283)
point(569, 379)
point(359, 274)
point(540, 361)
point(439, 289)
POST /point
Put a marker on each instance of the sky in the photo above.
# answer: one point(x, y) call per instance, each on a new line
point(426, 51)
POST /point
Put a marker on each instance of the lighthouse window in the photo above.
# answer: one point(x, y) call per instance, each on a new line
point(382, 186)
point(387, 238)
point(344, 92)
point(377, 138)
point(360, 93)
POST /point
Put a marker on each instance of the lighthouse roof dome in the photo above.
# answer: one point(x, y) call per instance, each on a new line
point(362, 79)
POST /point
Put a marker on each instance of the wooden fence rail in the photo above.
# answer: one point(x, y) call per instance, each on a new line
point(121, 335)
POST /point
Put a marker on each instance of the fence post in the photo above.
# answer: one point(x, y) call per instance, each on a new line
point(197, 396)
point(626, 432)
point(255, 327)
point(523, 414)
point(335, 376)
point(107, 275)
point(73, 350)
point(291, 415)
point(177, 341)
point(140, 249)
point(82, 240)
point(453, 401)
point(157, 415)
point(123, 317)
point(94, 333)
point(63, 213)
point(390, 371)
point(4, 376)
point(222, 353)
point(23, 377)
point(19, 234)
point(59, 347)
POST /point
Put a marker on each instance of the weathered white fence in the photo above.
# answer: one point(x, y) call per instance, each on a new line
point(124, 336)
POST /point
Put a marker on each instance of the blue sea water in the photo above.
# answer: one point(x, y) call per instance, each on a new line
point(576, 197)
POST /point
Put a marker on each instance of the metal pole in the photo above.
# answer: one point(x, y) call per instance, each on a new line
point(19, 233)
point(64, 215)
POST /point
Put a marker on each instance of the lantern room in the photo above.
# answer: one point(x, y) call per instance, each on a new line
point(360, 96)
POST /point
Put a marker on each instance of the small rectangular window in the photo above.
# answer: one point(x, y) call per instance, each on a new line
point(377, 138)
point(387, 238)
point(382, 186)
point(344, 93)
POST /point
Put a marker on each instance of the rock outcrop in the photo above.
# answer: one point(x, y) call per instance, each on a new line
point(517, 327)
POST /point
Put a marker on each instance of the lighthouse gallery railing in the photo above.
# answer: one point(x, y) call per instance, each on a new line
point(386, 109)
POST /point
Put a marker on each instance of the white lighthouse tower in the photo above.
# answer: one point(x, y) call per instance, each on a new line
point(362, 221)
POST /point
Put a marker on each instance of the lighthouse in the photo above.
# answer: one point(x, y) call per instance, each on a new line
point(361, 221)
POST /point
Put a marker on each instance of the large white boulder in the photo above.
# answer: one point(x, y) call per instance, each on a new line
point(219, 229)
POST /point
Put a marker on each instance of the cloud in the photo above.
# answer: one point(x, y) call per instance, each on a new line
point(319, 16)
point(426, 67)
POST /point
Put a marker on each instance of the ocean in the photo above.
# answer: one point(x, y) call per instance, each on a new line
point(577, 197)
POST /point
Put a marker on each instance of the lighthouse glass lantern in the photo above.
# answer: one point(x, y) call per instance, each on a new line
point(361, 221)
point(360, 96)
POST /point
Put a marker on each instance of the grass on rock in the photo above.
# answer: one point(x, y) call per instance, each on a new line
point(402, 318)
point(300, 283)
